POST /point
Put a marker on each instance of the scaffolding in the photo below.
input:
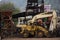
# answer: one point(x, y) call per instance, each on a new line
point(32, 5)
point(8, 25)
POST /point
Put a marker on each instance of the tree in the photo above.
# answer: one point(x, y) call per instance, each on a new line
point(9, 6)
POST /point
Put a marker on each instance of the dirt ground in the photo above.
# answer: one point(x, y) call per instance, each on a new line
point(31, 39)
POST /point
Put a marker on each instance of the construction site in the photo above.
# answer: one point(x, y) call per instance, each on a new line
point(37, 21)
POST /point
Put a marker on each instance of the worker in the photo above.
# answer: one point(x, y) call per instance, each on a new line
point(40, 22)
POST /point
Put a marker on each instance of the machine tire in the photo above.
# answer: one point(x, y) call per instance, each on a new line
point(25, 35)
point(40, 34)
point(48, 35)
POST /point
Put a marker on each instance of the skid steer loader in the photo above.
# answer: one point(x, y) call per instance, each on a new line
point(42, 24)
point(33, 28)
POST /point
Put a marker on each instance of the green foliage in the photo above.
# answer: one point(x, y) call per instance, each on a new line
point(9, 6)
point(16, 10)
point(15, 21)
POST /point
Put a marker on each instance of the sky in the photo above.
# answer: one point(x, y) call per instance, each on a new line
point(21, 4)
point(0, 0)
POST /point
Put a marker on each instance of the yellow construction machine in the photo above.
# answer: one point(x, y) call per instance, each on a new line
point(39, 26)
point(41, 23)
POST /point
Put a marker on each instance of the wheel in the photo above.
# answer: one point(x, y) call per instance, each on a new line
point(48, 34)
point(40, 34)
point(25, 35)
